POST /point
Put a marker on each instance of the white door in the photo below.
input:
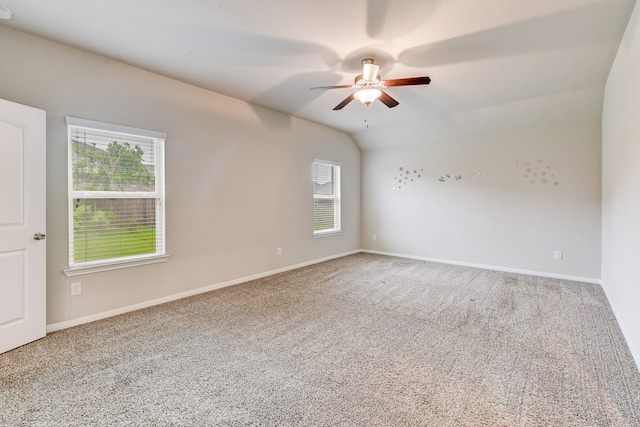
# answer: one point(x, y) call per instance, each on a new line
point(22, 217)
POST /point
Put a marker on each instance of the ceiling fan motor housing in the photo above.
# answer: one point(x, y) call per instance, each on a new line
point(360, 80)
point(369, 72)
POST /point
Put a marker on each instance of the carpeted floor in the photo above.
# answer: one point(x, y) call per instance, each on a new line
point(363, 340)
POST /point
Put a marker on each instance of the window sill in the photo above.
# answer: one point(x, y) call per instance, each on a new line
point(77, 271)
point(327, 233)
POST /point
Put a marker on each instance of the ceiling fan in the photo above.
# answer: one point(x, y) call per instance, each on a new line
point(369, 86)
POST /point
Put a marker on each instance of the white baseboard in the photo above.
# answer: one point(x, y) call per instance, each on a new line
point(103, 315)
point(491, 267)
point(625, 332)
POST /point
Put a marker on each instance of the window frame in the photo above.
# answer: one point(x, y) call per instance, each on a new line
point(335, 198)
point(159, 138)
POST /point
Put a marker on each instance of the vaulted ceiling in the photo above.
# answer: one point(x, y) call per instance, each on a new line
point(495, 65)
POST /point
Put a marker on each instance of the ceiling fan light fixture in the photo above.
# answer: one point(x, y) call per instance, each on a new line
point(367, 96)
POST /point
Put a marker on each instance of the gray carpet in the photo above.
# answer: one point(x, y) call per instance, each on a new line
point(363, 340)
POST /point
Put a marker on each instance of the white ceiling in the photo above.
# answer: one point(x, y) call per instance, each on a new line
point(495, 64)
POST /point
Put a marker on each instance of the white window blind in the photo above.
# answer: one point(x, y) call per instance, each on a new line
point(326, 198)
point(116, 194)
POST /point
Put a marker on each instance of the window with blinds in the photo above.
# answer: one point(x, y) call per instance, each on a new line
point(326, 198)
point(116, 195)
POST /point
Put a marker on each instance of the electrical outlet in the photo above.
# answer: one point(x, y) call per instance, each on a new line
point(279, 251)
point(557, 254)
point(374, 237)
point(76, 288)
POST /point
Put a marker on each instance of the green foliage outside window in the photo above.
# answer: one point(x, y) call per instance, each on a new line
point(118, 167)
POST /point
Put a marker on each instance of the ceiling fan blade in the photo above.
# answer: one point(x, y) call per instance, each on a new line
point(408, 81)
point(331, 87)
point(347, 100)
point(387, 100)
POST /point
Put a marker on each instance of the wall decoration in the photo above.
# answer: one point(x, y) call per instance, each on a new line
point(447, 177)
point(405, 177)
point(536, 172)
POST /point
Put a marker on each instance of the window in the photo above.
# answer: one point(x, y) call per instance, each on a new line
point(326, 198)
point(116, 196)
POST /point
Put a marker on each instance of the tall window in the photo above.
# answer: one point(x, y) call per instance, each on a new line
point(116, 196)
point(326, 198)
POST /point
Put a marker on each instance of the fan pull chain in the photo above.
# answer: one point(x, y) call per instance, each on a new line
point(366, 110)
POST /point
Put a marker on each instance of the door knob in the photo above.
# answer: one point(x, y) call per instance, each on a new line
point(39, 236)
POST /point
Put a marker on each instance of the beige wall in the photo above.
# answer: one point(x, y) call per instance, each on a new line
point(621, 185)
point(238, 176)
point(505, 220)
